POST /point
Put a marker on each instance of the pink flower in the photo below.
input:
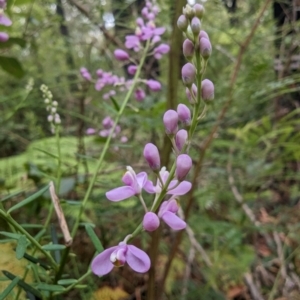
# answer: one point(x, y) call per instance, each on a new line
point(132, 69)
point(150, 221)
point(134, 183)
point(139, 94)
point(90, 131)
point(3, 36)
point(121, 55)
point(153, 85)
point(152, 157)
point(132, 42)
point(4, 20)
point(160, 50)
point(117, 256)
point(85, 74)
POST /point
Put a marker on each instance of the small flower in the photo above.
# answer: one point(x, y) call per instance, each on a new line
point(150, 221)
point(134, 183)
point(121, 55)
point(85, 74)
point(160, 50)
point(170, 120)
point(117, 256)
point(132, 69)
point(181, 138)
point(167, 213)
point(188, 73)
point(205, 48)
point(153, 85)
point(207, 90)
point(132, 42)
point(196, 26)
point(182, 23)
point(139, 94)
point(3, 36)
point(188, 49)
point(90, 131)
point(183, 166)
point(4, 20)
point(124, 139)
point(151, 155)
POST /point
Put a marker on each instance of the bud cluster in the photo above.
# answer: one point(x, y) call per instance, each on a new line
point(51, 106)
point(4, 20)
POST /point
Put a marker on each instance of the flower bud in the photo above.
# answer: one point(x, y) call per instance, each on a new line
point(170, 120)
point(189, 96)
point(188, 73)
point(207, 90)
point(188, 49)
point(152, 157)
point(199, 10)
point(184, 114)
point(150, 221)
point(196, 26)
point(183, 165)
point(3, 36)
point(181, 138)
point(205, 48)
point(188, 11)
point(121, 55)
point(182, 23)
point(203, 34)
point(132, 69)
point(153, 85)
point(139, 95)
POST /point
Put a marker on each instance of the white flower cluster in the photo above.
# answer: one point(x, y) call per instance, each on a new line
point(53, 117)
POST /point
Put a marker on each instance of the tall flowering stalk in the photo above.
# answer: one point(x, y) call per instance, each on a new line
point(180, 126)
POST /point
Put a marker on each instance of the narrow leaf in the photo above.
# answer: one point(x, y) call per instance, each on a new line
point(29, 199)
point(14, 236)
point(36, 261)
point(52, 247)
point(91, 233)
point(115, 103)
point(46, 152)
point(54, 239)
point(11, 196)
point(50, 287)
point(10, 287)
point(67, 281)
point(23, 284)
point(21, 247)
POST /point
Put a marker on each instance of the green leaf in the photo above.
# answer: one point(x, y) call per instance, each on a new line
point(50, 287)
point(46, 152)
point(10, 287)
point(115, 103)
point(12, 66)
point(29, 199)
point(91, 233)
point(13, 41)
point(14, 236)
point(23, 284)
point(22, 2)
point(11, 196)
point(36, 261)
point(21, 247)
point(52, 247)
point(67, 281)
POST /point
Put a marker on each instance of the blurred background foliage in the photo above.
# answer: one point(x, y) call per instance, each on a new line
point(245, 214)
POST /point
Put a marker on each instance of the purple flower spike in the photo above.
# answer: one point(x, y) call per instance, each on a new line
point(189, 96)
point(117, 256)
point(150, 221)
point(199, 10)
point(170, 120)
point(160, 50)
point(183, 165)
point(182, 23)
point(151, 155)
point(207, 90)
point(188, 49)
point(132, 69)
point(4, 20)
point(133, 186)
point(188, 73)
point(196, 26)
point(167, 212)
point(181, 138)
point(205, 48)
point(3, 36)
point(139, 94)
point(121, 55)
point(184, 114)
point(153, 85)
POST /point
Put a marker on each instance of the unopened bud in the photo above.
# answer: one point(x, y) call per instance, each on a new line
point(121, 55)
point(152, 157)
point(170, 120)
point(150, 221)
point(192, 98)
point(181, 138)
point(207, 90)
point(188, 11)
point(199, 10)
point(188, 49)
point(188, 73)
point(184, 114)
point(183, 165)
point(203, 34)
point(205, 48)
point(182, 23)
point(196, 26)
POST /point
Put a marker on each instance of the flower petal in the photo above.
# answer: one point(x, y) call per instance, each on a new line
point(137, 259)
point(120, 193)
point(181, 189)
point(101, 264)
point(142, 179)
point(173, 221)
point(149, 187)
